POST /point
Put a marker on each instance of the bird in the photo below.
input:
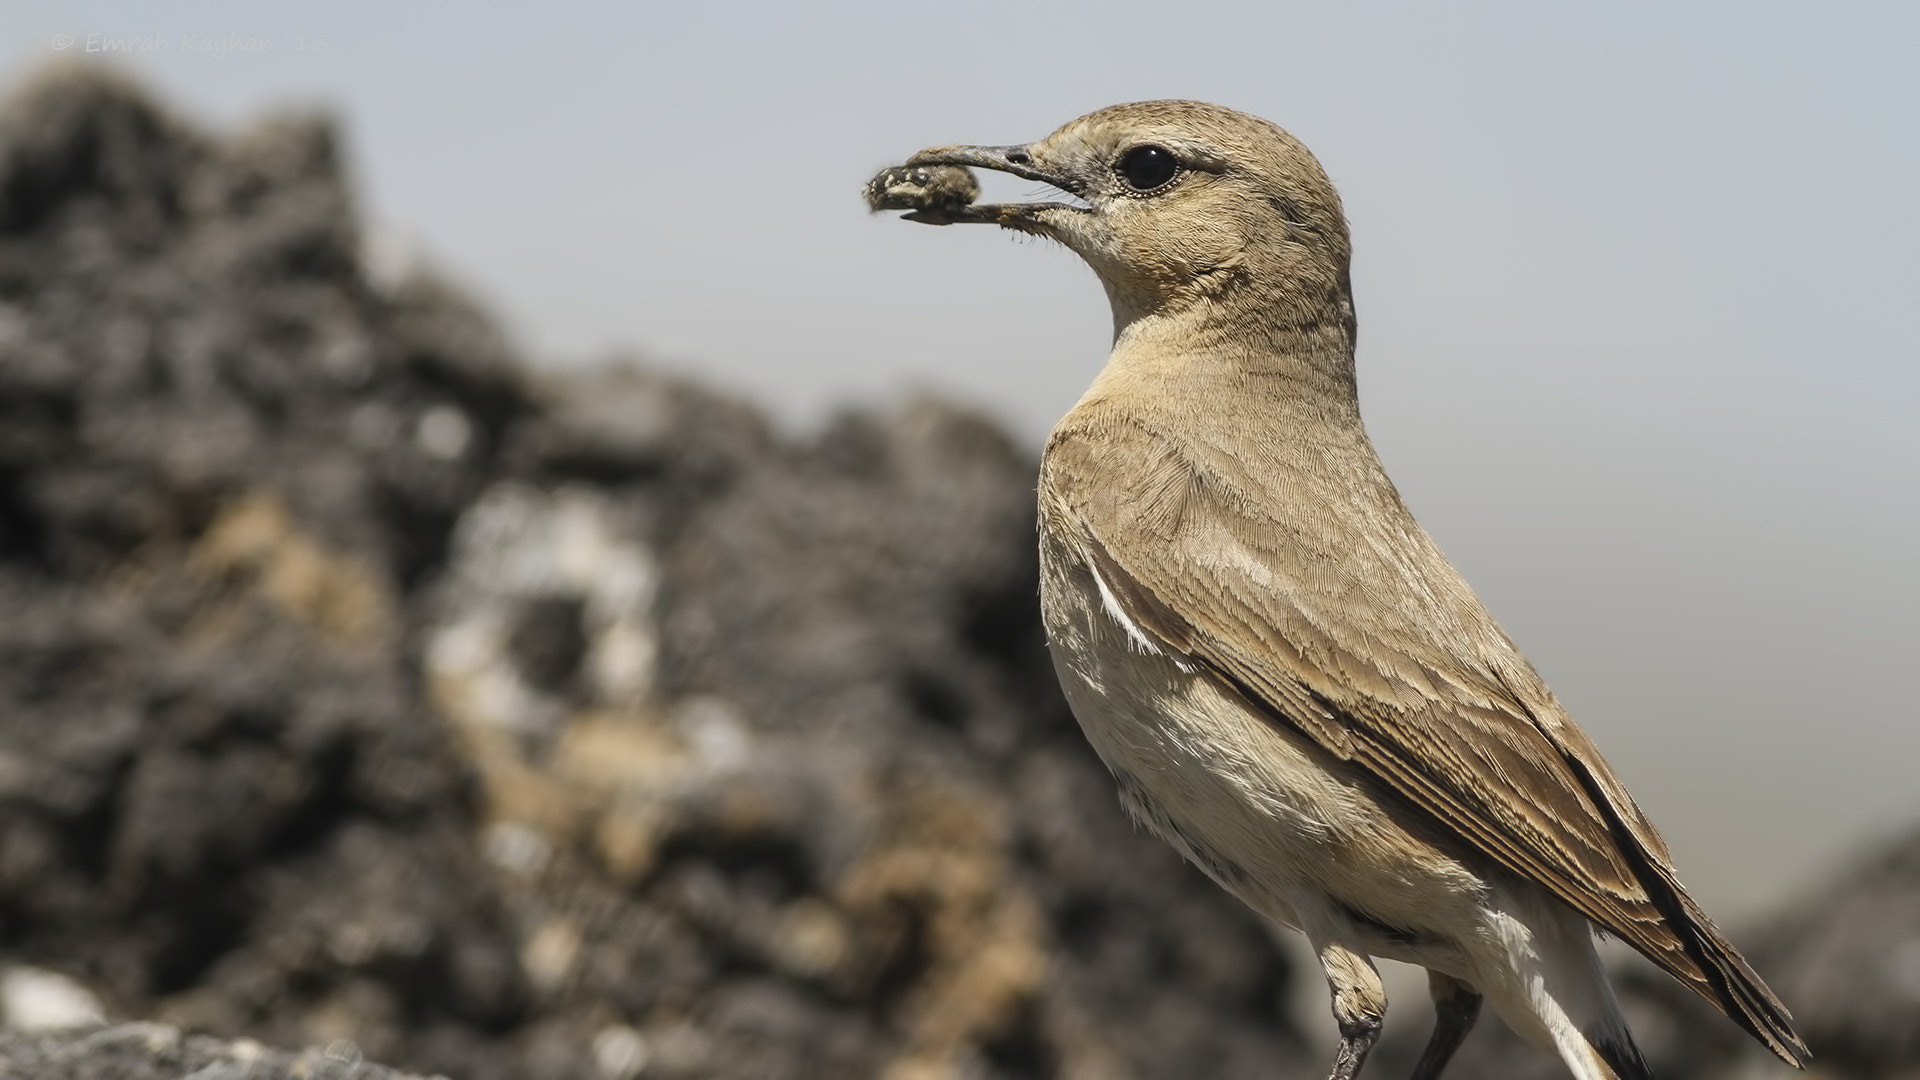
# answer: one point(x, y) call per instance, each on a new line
point(1287, 679)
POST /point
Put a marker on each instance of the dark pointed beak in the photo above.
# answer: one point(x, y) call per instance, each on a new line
point(1015, 160)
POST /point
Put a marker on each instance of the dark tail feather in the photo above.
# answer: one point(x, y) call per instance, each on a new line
point(1740, 993)
point(1616, 1048)
point(1696, 953)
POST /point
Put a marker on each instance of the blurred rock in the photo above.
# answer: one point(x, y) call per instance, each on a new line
point(158, 1052)
point(364, 691)
point(32, 1000)
point(1848, 958)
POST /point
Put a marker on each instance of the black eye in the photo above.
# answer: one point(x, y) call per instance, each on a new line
point(1147, 167)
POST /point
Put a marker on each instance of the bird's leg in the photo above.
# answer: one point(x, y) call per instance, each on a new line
point(1356, 1041)
point(1455, 1007)
point(1359, 1004)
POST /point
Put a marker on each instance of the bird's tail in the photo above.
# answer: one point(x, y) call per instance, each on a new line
point(1556, 994)
point(1596, 1044)
point(1617, 1050)
point(1722, 976)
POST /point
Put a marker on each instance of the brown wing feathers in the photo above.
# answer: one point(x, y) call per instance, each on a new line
point(1534, 796)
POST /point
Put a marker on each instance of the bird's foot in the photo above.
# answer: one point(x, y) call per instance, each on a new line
point(1357, 1037)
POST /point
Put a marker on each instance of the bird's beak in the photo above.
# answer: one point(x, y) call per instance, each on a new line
point(1016, 160)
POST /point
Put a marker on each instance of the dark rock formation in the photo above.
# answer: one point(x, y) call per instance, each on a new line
point(1848, 958)
point(361, 687)
point(158, 1052)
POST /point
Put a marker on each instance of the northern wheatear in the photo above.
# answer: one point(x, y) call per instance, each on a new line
point(1289, 681)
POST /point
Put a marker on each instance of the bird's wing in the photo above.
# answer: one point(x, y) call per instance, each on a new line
point(1200, 563)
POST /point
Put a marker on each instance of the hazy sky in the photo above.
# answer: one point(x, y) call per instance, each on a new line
point(1637, 285)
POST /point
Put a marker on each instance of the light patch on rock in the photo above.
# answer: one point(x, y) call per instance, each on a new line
point(35, 999)
point(518, 545)
point(549, 955)
point(620, 1052)
point(390, 258)
point(720, 736)
point(255, 540)
point(444, 432)
point(517, 849)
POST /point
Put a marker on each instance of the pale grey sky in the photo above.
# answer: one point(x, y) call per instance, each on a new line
point(1637, 286)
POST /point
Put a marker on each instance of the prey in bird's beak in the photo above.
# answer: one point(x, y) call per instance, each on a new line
point(937, 188)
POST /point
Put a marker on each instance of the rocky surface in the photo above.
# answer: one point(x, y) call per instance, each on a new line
point(1848, 958)
point(361, 688)
point(364, 692)
point(139, 1051)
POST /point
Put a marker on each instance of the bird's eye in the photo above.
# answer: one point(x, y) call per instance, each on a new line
point(1145, 168)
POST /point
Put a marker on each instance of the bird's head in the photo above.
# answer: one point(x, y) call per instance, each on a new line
point(1188, 209)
